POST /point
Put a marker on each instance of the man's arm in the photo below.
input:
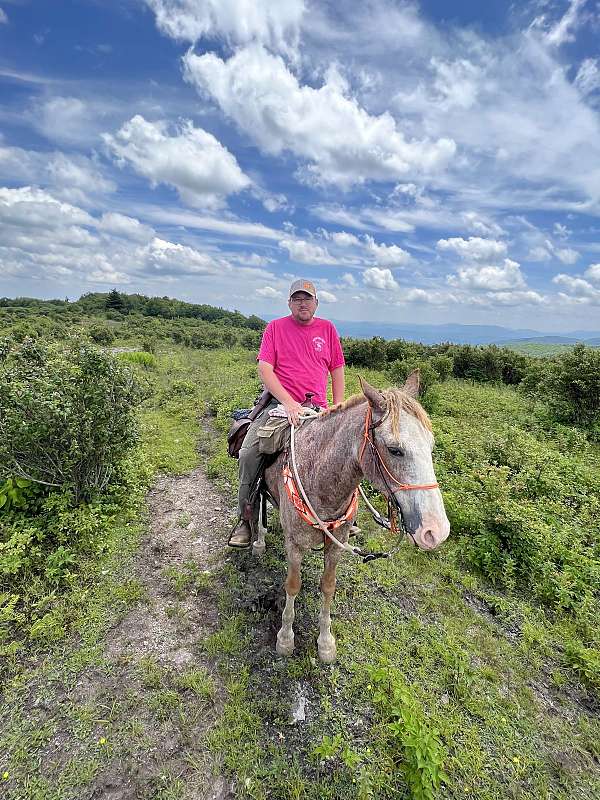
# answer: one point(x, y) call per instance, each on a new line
point(338, 385)
point(273, 384)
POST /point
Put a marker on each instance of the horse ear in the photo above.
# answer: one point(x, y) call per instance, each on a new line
point(413, 383)
point(373, 395)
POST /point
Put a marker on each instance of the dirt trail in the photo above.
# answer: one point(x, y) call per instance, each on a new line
point(185, 542)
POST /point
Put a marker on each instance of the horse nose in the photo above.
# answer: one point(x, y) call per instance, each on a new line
point(431, 535)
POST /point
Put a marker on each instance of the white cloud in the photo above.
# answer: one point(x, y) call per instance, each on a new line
point(74, 178)
point(192, 161)
point(562, 31)
point(456, 83)
point(379, 278)
point(31, 207)
point(522, 97)
point(127, 227)
point(3, 17)
point(270, 292)
point(348, 279)
point(170, 258)
point(593, 273)
point(587, 79)
point(567, 255)
point(386, 255)
point(43, 238)
point(327, 297)
point(228, 226)
point(474, 249)
point(251, 259)
point(561, 231)
point(66, 119)
point(539, 253)
point(546, 251)
point(275, 24)
point(427, 296)
point(578, 289)
point(478, 223)
point(490, 278)
point(341, 142)
point(344, 239)
point(307, 252)
point(527, 297)
point(272, 202)
point(108, 275)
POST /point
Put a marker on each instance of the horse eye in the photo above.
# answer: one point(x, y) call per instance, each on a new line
point(396, 451)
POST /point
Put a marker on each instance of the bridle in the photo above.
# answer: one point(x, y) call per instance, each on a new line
point(386, 475)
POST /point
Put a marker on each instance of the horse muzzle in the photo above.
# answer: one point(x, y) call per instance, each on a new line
point(431, 533)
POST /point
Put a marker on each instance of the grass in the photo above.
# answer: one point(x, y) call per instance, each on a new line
point(35, 672)
point(434, 658)
point(498, 679)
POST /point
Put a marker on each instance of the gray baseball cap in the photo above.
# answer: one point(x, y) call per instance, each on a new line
point(303, 285)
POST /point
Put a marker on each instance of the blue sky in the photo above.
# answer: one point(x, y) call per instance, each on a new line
point(421, 162)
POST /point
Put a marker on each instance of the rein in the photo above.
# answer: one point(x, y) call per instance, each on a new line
point(368, 437)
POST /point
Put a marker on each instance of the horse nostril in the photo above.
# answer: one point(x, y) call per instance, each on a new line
point(428, 538)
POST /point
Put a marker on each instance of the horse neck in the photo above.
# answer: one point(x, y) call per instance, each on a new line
point(327, 457)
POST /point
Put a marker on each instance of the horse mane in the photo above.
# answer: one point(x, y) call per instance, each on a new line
point(395, 401)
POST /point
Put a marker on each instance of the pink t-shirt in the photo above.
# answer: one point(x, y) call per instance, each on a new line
point(302, 356)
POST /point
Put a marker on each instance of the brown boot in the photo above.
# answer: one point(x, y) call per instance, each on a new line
point(241, 535)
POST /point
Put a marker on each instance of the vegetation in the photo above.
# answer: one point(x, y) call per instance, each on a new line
point(472, 672)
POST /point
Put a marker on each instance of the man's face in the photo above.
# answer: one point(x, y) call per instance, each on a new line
point(303, 307)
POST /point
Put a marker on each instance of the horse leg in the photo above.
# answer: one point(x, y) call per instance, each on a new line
point(258, 548)
point(285, 637)
point(326, 642)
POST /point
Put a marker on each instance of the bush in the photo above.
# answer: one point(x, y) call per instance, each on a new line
point(101, 334)
point(572, 386)
point(399, 371)
point(66, 416)
point(149, 344)
point(443, 366)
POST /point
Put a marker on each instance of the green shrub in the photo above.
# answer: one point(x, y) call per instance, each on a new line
point(443, 366)
point(399, 371)
point(101, 334)
point(149, 344)
point(572, 386)
point(66, 416)
point(411, 738)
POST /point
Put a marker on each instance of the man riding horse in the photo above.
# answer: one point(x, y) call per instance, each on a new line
point(297, 354)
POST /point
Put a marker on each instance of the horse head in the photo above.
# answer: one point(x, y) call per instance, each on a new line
point(396, 459)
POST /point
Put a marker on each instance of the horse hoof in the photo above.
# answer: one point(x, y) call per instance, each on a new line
point(284, 647)
point(327, 653)
point(258, 549)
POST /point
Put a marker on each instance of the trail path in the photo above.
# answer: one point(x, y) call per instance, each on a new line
point(185, 543)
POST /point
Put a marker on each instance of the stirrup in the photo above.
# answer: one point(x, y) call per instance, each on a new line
point(238, 528)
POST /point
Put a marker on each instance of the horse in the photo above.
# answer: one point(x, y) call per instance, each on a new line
point(383, 436)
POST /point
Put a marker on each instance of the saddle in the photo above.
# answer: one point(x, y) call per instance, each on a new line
point(242, 420)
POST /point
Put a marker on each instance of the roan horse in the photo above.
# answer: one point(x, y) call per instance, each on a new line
point(333, 456)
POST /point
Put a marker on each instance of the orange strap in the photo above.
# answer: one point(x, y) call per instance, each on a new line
point(300, 506)
point(405, 487)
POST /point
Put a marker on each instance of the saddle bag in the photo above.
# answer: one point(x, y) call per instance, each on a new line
point(273, 436)
point(239, 427)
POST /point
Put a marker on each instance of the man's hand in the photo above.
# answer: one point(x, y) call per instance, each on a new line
point(293, 409)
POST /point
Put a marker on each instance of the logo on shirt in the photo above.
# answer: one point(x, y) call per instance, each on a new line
point(318, 343)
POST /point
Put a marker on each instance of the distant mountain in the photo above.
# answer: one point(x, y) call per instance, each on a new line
point(460, 334)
